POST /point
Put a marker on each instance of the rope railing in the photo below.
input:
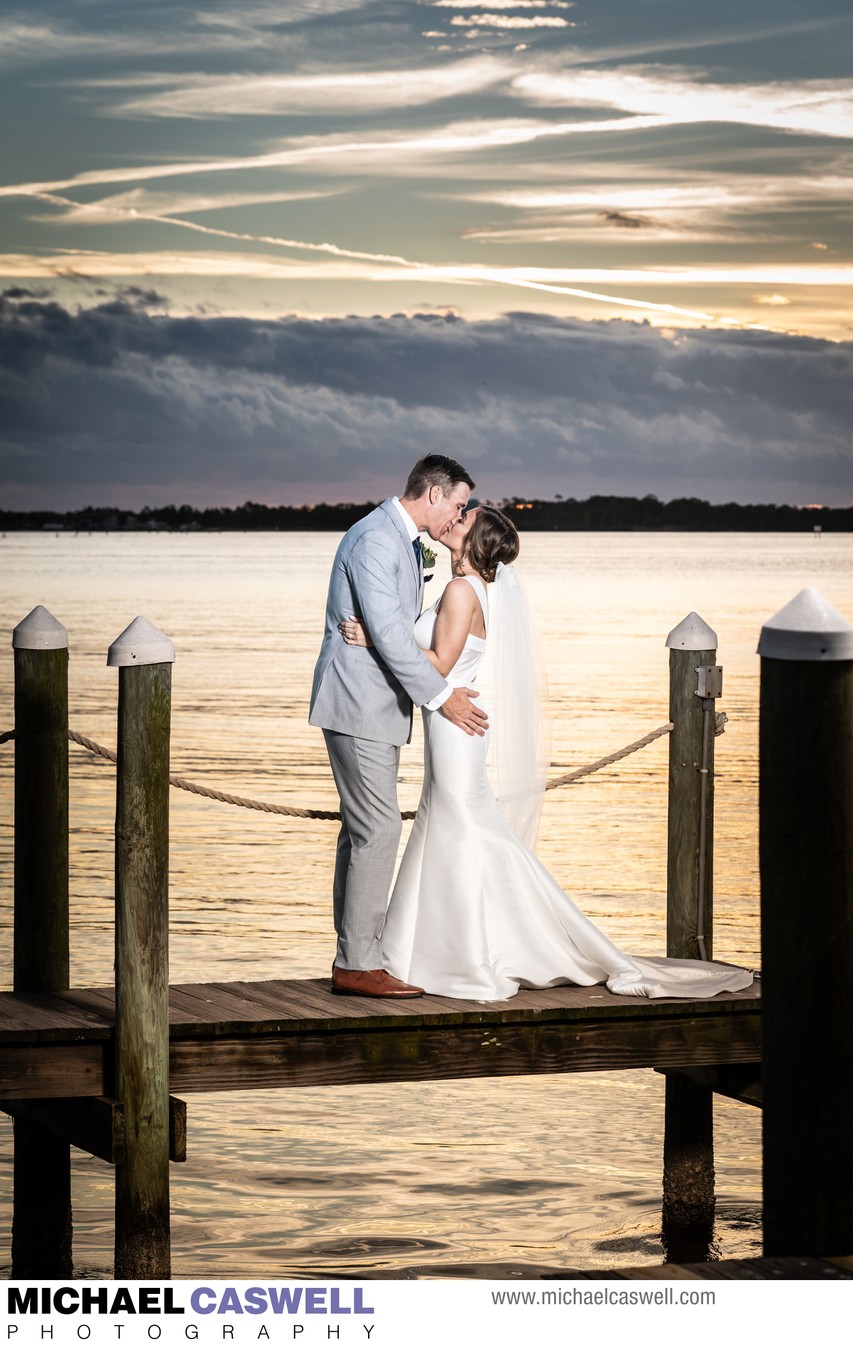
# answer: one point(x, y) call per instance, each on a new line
point(325, 815)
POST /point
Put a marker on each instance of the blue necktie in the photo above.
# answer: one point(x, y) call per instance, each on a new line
point(416, 547)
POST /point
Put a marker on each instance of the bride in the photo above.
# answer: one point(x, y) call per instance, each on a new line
point(474, 914)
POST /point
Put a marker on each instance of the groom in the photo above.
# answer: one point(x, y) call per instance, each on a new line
point(362, 700)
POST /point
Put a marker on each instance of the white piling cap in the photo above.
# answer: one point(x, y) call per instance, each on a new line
point(692, 633)
point(40, 630)
point(808, 629)
point(140, 643)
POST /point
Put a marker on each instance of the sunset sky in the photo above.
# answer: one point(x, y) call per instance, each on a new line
point(277, 251)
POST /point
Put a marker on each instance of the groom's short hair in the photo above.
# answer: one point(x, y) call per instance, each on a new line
point(435, 470)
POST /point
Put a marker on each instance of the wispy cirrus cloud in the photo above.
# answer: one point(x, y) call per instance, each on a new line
point(503, 4)
point(133, 214)
point(645, 97)
point(701, 204)
point(361, 265)
point(242, 30)
point(329, 92)
point(509, 23)
point(142, 204)
point(679, 97)
point(691, 193)
point(273, 14)
point(341, 263)
point(28, 43)
point(382, 151)
point(524, 155)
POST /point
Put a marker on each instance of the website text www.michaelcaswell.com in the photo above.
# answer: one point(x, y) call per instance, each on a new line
point(591, 1298)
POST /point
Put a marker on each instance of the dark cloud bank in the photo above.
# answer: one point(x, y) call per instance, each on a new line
point(117, 404)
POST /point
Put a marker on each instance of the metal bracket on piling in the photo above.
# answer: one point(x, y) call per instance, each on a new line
point(709, 682)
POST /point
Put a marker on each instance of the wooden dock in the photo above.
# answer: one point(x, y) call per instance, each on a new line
point(290, 1034)
point(743, 1268)
point(99, 1069)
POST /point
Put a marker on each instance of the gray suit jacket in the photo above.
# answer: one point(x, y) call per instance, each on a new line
point(368, 693)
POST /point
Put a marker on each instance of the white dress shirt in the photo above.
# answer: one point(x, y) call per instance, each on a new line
point(414, 532)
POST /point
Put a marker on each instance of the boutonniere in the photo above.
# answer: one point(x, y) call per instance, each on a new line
point(428, 557)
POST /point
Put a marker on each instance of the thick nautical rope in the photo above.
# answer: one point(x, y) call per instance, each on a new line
point(325, 815)
point(608, 761)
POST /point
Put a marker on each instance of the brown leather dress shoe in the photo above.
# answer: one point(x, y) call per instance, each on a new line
point(378, 983)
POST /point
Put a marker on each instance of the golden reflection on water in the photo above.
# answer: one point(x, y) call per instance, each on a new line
point(562, 1171)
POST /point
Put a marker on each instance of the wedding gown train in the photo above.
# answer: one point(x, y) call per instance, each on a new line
point(474, 914)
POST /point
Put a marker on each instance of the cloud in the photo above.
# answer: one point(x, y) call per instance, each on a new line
point(773, 300)
point(253, 29)
point(706, 205)
point(274, 14)
point(19, 292)
point(337, 408)
point(384, 151)
point(491, 145)
point(470, 149)
point(503, 4)
point(508, 23)
point(352, 91)
point(140, 203)
point(684, 192)
point(335, 263)
point(681, 97)
point(26, 43)
point(623, 221)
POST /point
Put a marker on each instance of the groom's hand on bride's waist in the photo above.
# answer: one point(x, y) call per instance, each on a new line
point(460, 709)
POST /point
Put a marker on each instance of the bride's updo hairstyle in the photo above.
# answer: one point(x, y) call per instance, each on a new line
point(493, 538)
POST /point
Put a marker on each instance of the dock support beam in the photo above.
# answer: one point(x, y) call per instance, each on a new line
point(806, 857)
point(688, 1152)
point(143, 656)
point(41, 1221)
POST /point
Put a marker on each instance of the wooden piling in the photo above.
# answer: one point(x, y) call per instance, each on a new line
point(689, 1198)
point(806, 859)
point(689, 925)
point(41, 803)
point(688, 1153)
point(41, 1221)
point(143, 656)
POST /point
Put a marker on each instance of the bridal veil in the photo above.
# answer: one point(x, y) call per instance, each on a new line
point(512, 682)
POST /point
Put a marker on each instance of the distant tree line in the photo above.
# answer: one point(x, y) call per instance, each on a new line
point(600, 513)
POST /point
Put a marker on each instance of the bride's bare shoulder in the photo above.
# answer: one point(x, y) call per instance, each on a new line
point(457, 602)
point(460, 594)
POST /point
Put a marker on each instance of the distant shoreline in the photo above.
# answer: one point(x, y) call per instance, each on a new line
point(599, 513)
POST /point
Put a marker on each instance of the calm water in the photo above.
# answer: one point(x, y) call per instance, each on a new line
point(414, 1178)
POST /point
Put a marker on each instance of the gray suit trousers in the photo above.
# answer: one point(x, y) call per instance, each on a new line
point(366, 777)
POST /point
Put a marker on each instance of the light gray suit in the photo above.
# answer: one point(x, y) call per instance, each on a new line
point(362, 699)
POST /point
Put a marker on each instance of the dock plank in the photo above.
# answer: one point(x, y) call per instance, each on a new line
point(98, 999)
point(244, 1034)
point(772, 1268)
point(45, 1017)
point(201, 1009)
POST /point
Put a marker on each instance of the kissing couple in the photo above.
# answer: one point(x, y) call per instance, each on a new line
point(473, 914)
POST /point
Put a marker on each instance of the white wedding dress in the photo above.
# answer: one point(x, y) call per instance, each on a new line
point(474, 914)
